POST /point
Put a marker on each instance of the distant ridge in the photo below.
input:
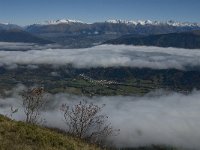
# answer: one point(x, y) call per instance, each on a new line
point(78, 34)
point(8, 26)
point(189, 40)
point(16, 35)
point(119, 21)
point(149, 22)
point(61, 21)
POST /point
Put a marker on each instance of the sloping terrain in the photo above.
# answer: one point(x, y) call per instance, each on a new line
point(16, 35)
point(77, 34)
point(7, 26)
point(20, 136)
point(189, 40)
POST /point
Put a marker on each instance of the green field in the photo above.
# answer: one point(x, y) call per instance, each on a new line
point(100, 81)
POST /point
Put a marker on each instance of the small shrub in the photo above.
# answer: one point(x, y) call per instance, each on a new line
point(33, 101)
point(86, 121)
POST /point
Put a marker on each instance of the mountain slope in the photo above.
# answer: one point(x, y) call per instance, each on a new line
point(189, 40)
point(20, 136)
point(73, 27)
point(16, 35)
point(78, 34)
point(7, 26)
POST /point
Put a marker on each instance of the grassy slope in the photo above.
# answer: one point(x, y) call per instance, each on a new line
point(20, 136)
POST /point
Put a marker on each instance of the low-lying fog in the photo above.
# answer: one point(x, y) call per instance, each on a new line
point(101, 56)
point(159, 117)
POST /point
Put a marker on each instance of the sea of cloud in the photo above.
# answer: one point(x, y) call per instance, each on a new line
point(159, 117)
point(101, 56)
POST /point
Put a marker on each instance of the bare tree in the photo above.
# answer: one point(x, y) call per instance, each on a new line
point(13, 111)
point(33, 101)
point(85, 120)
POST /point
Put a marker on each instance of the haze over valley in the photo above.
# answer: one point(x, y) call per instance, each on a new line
point(100, 83)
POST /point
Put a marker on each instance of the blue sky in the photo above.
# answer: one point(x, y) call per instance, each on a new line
point(31, 11)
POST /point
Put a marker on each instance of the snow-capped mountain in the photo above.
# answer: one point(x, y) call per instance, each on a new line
point(76, 33)
point(61, 21)
point(79, 34)
point(126, 22)
point(116, 21)
point(4, 23)
point(149, 22)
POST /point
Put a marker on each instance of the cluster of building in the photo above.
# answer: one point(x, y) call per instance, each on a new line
point(102, 82)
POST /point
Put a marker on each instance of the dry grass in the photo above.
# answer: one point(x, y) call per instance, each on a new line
point(21, 136)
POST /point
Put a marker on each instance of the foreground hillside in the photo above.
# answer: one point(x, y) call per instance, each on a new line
point(20, 136)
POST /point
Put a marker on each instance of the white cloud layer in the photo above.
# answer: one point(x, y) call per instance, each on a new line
point(157, 118)
point(103, 56)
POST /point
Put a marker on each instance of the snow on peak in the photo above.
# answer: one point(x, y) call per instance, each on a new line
point(149, 22)
point(4, 23)
point(127, 22)
point(189, 24)
point(132, 22)
point(61, 21)
point(121, 21)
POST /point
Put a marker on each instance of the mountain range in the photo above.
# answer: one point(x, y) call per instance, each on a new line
point(77, 34)
point(17, 35)
point(128, 22)
point(190, 40)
